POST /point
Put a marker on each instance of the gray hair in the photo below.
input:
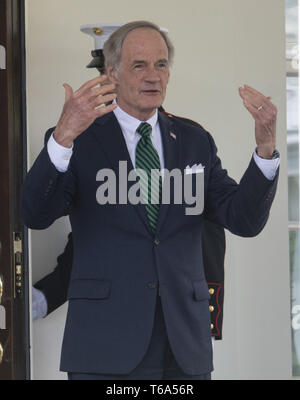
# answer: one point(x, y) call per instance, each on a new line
point(112, 49)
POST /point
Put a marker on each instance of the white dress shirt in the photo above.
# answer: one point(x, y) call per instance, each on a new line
point(129, 126)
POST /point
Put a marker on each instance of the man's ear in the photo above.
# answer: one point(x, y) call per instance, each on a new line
point(168, 76)
point(112, 75)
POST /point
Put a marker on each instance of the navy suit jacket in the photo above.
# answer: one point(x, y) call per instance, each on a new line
point(119, 265)
point(55, 285)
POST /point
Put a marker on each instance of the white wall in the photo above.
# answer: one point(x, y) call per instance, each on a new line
point(220, 45)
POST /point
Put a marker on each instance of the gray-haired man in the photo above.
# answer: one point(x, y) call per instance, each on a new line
point(138, 298)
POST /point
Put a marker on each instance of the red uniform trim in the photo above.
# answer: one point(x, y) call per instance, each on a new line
point(219, 287)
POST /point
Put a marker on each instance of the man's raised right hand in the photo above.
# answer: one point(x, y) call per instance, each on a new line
point(82, 107)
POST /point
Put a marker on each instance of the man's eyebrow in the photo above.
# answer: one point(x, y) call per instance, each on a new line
point(139, 62)
point(164, 60)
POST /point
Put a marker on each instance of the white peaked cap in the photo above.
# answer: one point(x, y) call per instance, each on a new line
point(100, 32)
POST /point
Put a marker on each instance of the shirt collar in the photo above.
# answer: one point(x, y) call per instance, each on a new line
point(129, 124)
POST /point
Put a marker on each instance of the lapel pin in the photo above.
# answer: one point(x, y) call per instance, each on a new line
point(173, 135)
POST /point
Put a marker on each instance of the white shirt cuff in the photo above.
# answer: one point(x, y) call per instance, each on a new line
point(59, 155)
point(267, 167)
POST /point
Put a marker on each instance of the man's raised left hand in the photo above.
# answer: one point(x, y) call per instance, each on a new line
point(264, 113)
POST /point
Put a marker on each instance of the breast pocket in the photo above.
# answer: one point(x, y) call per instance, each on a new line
point(89, 289)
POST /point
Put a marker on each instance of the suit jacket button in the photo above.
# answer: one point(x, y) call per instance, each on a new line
point(156, 241)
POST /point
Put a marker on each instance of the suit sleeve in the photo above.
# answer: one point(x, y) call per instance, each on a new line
point(47, 194)
point(241, 208)
point(55, 285)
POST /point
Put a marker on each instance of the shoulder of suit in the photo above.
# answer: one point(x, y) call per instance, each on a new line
point(188, 125)
point(183, 119)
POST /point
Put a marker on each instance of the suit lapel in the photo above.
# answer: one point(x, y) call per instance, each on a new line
point(112, 142)
point(171, 147)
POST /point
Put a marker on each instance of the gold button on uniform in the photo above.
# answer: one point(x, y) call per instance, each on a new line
point(211, 326)
point(211, 291)
point(211, 308)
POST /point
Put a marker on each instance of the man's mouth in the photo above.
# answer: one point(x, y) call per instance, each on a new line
point(151, 91)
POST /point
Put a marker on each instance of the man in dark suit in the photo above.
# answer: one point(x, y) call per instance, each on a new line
point(50, 292)
point(138, 298)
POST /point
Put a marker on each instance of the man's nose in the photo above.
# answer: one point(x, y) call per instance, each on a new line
point(152, 75)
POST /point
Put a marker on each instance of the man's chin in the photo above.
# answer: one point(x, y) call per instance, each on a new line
point(152, 105)
point(149, 110)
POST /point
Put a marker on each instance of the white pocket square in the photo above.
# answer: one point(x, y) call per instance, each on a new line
point(195, 169)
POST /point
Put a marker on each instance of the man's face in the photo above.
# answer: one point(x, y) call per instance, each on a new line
point(143, 74)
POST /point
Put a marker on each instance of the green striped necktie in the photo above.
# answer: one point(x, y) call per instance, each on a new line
point(147, 159)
